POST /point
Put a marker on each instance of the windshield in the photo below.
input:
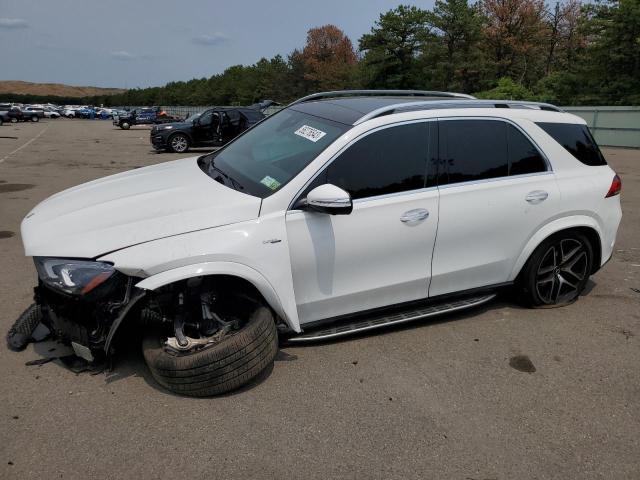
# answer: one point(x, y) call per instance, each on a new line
point(191, 118)
point(268, 156)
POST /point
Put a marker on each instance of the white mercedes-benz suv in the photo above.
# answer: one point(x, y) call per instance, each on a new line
point(343, 212)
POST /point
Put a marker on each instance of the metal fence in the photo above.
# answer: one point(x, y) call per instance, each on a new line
point(612, 126)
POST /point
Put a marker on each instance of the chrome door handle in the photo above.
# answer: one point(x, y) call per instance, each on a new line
point(537, 196)
point(415, 215)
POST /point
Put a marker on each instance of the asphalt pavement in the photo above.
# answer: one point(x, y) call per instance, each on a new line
point(500, 392)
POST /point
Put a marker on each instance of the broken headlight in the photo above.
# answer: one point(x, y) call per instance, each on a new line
point(76, 277)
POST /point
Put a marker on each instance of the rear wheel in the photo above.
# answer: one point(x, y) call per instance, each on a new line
point(14, 120)
point(125, 125)
point(557, 271)
point(203, 369)
point(35, 118)
point(179, 143)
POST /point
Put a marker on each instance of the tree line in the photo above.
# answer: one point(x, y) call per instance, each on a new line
point(567, 53)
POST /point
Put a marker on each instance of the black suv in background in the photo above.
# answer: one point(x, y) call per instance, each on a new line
point(212, 128)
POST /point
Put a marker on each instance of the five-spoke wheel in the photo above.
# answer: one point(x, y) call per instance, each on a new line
point(558, 270)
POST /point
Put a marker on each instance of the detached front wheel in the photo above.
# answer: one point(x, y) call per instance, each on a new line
point(218, 367)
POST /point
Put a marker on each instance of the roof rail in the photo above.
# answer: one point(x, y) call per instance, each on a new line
point(380, 93)
point(461, 103)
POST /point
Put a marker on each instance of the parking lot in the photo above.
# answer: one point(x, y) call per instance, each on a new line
point(452, 398)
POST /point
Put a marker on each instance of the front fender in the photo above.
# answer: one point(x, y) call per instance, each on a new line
point(224, 268)
point(564, 223)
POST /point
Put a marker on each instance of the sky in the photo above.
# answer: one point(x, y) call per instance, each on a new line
point(140, 43)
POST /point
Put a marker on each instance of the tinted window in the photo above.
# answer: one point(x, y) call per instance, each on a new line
point(577, 140)
point(523, 156)
point(472, 150)
point(390, 160)
point(269, 155)
point(206, 117)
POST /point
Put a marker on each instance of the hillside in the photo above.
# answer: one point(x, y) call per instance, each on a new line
point(53, 89)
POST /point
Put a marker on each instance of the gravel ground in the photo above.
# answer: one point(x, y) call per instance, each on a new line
point(436, 399)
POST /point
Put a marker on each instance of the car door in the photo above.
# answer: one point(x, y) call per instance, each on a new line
point(496, 190)
point(380, 254)
point(204, 127)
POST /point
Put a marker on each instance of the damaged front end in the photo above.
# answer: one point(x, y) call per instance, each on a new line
point(83, 302)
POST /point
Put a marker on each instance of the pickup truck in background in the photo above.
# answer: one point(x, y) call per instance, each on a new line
point(16, 114)
point(143, 116)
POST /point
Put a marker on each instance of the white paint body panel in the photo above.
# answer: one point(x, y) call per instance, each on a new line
point(131, 208)
point(483, 228)
point(345, 263)
point(171, 221)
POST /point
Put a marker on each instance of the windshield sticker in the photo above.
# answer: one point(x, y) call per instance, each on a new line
point(270, 182)
point(310, 133)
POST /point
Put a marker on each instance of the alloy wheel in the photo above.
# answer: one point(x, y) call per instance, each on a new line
point(561, 272)
point(179, 143)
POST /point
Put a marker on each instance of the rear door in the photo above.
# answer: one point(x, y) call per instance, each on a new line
point(496, 190)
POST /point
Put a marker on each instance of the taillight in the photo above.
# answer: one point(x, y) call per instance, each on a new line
point(616, 186)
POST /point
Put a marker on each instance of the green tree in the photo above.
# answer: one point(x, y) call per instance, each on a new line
point(392, 47)
point(453, 55)
point(611, 66)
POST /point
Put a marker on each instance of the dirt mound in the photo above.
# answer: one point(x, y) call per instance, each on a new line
point(54, 89)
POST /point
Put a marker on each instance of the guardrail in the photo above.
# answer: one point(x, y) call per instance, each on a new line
point(611, 126)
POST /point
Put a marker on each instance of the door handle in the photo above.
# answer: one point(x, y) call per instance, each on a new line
point(537, 196)
point(415, 215)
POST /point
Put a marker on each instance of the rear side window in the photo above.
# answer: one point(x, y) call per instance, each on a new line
point(390, 160)
point(577, 140)
point(472, 150)
point(483, 149)
point(523, 156)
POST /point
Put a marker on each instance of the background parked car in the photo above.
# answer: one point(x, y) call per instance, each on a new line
point(16, 114)
point(143, 116)
point(29, 111)
point(50, 112)
point(212, 128)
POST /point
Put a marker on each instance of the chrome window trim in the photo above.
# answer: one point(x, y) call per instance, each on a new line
point(548, 171)
point(494, 179)
point(349, 144)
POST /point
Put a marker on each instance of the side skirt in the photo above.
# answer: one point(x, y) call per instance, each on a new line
point(339, 327)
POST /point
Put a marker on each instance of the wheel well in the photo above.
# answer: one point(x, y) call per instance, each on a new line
point(133, 321)
point(592, 237)
point(173, 134)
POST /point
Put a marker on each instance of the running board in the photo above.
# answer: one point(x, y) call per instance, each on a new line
point(385, 319)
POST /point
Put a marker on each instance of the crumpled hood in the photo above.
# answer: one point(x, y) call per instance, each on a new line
point(131, 208)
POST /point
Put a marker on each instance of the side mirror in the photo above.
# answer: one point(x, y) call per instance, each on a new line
point(329, 199)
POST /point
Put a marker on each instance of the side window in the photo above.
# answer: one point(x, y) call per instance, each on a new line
point(205, 118)
point(577, 140)
point(523, 156)
point(390, 160)
point(472, 150)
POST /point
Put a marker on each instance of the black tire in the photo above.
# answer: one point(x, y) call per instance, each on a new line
point(19, 334)
point(125, 125)
point(179, 143)
point(35, 118)
point(219, 368)
point(557, 271)
point(14, 120)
